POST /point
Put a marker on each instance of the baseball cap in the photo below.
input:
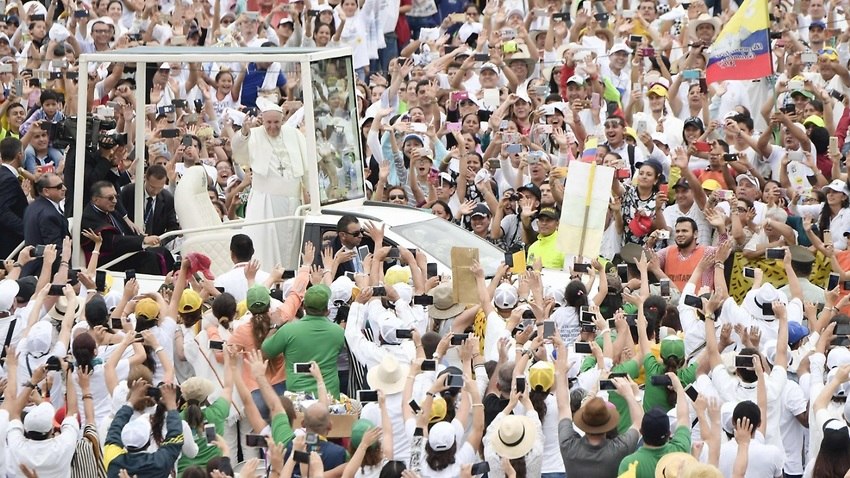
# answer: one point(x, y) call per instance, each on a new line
point(655, 426)
point(358, 430)
point(532, 188)
point(490, 66)
point(694, 122)
point(505, 296)
point(441, 437)
point(439, 409)
point(672, 346)
point(815, 120)
point(712, 184)
point(8, 291)
point(480, 209)
point(618, 47)
point(658, 89)
point(147, 308)
point(796, 332)
point(190, 301)
point(748, 177)
point(40, 418)
point(550, 212)
point(541, 376)
point(317, 297)
point(579, 80)
point(258, 298)
point(137, 432)
point(682, 183)
point(838, 186)
point(817, 24)
point(26, 288)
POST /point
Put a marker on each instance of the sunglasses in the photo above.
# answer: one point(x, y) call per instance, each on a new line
point(353, 234)
point(58, 186)
point(394, 197)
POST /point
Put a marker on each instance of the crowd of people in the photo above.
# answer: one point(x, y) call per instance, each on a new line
point(709, 337)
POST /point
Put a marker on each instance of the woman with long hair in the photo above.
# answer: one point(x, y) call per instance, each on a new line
point(642, 203)
point(250, 336)
point(372, 445)
point(575, 297)
point(541, 381)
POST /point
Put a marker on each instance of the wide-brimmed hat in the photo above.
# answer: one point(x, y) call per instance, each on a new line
point(514, 437)
point(444, 306)
point(522, 55)
point(57, 312)
point(756, 298)
point(668, 466)
point(388, 376)
point(704, 19)
point(197, 388)
point(595, 416)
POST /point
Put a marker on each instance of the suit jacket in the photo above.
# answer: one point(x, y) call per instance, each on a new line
point(43, 224)
point(163, 218)
point(349, 266)
point(117, 240)
point(13, 203)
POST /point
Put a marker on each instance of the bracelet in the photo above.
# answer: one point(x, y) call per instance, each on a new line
point(88, 396)
point(158, 349)
point(95, 252)
point(29, 385)
point(17, 264)
point(63, 263)
point(430, 394)
point(833, 309)
point(477, 405)
point(608, 330)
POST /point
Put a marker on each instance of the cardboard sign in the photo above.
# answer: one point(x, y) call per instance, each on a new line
point(586, 196)
point(463, 280)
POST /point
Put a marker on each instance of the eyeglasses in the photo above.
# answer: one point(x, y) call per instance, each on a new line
point(58, 186)
point(394, 197)
point(114, 197)
point(353, 234)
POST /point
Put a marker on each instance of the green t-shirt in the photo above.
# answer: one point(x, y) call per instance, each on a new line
point(648, 458)
point(654, 396)
point(214, 414)
point(313, 338)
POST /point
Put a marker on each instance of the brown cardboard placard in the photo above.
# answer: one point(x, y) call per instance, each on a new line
point(464, 288)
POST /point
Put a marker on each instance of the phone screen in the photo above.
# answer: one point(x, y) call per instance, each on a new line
point(583, 348)
point(209, 431)
point(693, 301)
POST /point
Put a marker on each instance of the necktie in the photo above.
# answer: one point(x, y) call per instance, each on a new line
point(148, 211)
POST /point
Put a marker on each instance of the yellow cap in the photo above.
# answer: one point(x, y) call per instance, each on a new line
point(190, 301)
point(397, 275)
point(147, 308)
point(631, 132)
point(815, 120)
point(541, 376)
point(438, 409)
point(658, 89)
point(711, 185)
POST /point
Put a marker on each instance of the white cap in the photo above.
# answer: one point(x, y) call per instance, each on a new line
point(40, 338)
point(490, 66)
point(837, 357)
point(40, 418)
point(661, 138)
point(8, 290)
point(136, 433)
point(619, 46)
point(341, 289)
point(442, 436)
point(838, 186)
point(388, 325)
point(505, 296)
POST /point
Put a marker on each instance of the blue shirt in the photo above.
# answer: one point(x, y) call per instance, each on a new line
point(253, 82)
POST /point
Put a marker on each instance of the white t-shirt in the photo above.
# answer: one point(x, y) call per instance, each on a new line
point(793, 402)
point(764, 460)
point(235, 283)
point(551, 442)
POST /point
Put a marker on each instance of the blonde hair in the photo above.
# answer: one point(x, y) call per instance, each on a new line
point(701, 471)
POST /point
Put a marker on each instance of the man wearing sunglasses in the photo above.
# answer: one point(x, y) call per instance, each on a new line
point(350, 236)
point(44, 219)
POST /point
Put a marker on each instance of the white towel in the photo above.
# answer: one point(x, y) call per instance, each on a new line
point(270, 81)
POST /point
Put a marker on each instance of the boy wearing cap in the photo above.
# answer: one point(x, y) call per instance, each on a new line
point(657, 440)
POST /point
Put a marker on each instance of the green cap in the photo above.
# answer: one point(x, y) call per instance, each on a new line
point(359, 429)
point(672, 346)
point(317, 297)
point(258, 298)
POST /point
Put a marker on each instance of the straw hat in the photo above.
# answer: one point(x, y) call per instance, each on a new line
point(514, 437)
point(388, 376)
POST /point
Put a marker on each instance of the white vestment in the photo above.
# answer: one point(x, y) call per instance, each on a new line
point(279, 166)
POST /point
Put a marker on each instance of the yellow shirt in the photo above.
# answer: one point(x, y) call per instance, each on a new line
point(546, 249)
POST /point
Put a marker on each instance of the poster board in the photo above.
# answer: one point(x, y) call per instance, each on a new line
point(587, 194)
point(464, 289)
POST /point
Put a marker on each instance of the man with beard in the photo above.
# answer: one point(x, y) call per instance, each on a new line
point(680, 260)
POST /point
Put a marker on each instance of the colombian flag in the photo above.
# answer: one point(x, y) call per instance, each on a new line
point(742, 50)
point(589, 154)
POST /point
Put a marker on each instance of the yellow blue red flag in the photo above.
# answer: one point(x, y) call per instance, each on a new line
point(742, 49)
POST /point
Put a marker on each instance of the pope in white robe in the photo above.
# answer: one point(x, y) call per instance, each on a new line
point(277, 155)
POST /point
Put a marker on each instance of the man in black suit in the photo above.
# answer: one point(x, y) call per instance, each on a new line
point(44, 220)
point(350, 236)
point(100, 217)
point(158, 204)
point(13, 201)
